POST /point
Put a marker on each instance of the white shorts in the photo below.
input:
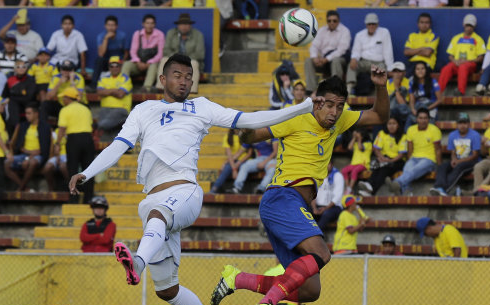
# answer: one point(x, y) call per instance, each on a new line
point(53, 161)
point(180, 205)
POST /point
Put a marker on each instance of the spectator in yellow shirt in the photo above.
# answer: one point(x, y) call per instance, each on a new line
point(42, 71)
point(348, 225)
point(465, 51)
point(3, 144)
point(447, 239)
point(75, 122)
point(362, 146)
point(115, 91)
point(299, 94)
point(424, 152)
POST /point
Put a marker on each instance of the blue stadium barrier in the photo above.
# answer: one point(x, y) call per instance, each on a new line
point(446, 22)
point(90, 22)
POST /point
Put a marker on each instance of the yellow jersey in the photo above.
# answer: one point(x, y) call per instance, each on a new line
point(38, 3)
point(182, 3)
point(343, 240)
point(390, 87)
point(386, 143)
point(111, 3)
point(31, 141)
point(236, 145)
point(123, 82)
point(305, 148)
point(76, 118)
point(448, 239)
point(360, 157)
point(468, 48)
point(486, 135)
point(3, 135)
point(423, 40)
point(423, 141)
point(63, 3)
point(62, 142)
point(42, 73)
point(480, 3)
point(79, 84)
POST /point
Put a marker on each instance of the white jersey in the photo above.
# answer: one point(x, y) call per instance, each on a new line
point(172, 133)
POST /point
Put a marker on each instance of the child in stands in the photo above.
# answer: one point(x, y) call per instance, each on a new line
point(362, 146)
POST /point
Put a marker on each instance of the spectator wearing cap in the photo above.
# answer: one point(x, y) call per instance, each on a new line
point(67, 77)
point(327, 205)
point(28, 41)
point(388, 246)
point(68, 44)
point(21, 91)
point(146, 52)
point(29, 147)
point(447, 239)
point(329, 51)
point(485, 76)
point(372, 46)
point(75, 121)
point(281, 89)
point(397, 87)
point(464, 145)
point(465, 51)
point(98, 233)
point(57, 162)
point(422, 45)
point(116, 97)
point(299, 94)
point(187, 40)
point(424, 153)
point(42, 71)
point(110, 42)
point(10, 55)
point(427, 3)
point(348, 226)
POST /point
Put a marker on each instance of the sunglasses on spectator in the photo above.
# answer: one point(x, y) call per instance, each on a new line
point(21, 67)
point(332, 20)
point(114, 65)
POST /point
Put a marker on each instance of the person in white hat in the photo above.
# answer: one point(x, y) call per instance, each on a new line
point(427, 3)
point(397, 87)
point(465, 51)
point(372, 46)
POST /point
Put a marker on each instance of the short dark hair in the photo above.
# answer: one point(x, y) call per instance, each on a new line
point(426, 15)
point(431, 223)
point(34, 106)
point(333, 85)
point(67, 17)
point(149, 16)
point(423, 110)
point(179, 59)
point(333, 13)
point(111, 18)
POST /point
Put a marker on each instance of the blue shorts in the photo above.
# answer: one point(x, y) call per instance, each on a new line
point(288, 221)
point(19, 159)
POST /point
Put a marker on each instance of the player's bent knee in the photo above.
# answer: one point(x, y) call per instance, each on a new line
point(168, 293)
point(322, 259)
point(156, 214)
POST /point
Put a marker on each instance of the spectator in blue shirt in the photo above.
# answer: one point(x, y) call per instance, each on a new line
point(265, 159)
point(111, 42)
point(464, 144)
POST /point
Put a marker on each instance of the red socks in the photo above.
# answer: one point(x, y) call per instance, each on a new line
point(261, 284)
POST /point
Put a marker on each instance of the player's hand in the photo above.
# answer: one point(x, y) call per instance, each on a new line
point(318, 102)
point(378, 76)
point(75, 179)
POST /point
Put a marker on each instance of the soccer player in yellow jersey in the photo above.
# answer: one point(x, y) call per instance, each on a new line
point(305, 147)
point(447, 239)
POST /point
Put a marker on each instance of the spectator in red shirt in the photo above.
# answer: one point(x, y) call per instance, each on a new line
point(98, 233)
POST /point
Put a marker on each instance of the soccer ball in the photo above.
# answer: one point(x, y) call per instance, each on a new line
point(298, 27)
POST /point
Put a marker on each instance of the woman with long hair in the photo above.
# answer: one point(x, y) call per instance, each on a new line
point(390, 149)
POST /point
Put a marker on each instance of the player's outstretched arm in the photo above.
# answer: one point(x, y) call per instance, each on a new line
point(249, 136)
point(380, 112)
point(107, 158)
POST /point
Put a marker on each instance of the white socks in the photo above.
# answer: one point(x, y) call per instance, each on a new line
point(185, 297)
point(152, 240)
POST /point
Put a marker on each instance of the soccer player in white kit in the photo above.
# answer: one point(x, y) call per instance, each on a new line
point(170, 132)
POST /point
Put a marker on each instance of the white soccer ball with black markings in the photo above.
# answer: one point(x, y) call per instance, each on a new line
point(298, 27)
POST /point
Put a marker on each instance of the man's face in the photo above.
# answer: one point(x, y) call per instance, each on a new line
point(177, 82)
point(149, 25)
point(299, 93)
point(20, 68)
point(331, 110)
point(65, 73)
point(468, 30)
point(388, 248)
point(9, 46)
point(43, 58)
point(23, 28)
point(422, 120)
point(67, 26)
point(424, 24)
point(98, 212)
point(184, 28)
point(115, 68)
point(333, 22)
point(397, 74)
point(371, 28)
point(463, 127)
point(31, 115)
point(110, 26)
